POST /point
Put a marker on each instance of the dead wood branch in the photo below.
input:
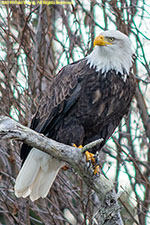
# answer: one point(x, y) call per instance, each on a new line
point(108, 209)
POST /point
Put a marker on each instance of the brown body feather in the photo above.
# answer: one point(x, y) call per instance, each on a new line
point(83, 105)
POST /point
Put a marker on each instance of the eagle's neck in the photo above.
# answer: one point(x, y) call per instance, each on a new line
point(101, 59)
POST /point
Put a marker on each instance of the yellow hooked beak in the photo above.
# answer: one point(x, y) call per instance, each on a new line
point(101, 41)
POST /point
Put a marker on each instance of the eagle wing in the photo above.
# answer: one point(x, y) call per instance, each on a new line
point(61, 96)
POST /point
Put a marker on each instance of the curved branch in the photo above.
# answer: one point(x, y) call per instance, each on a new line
point(108, 208)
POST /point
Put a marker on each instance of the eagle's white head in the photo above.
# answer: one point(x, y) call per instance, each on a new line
point(112, 52)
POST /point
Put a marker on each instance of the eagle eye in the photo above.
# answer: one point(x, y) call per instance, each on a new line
point(111, 39)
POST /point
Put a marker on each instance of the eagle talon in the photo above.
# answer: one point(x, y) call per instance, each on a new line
point(91, 160)
point(96, 159)
point(90, 157)
point(89, 163)
point(96, 171)
point(74, 145)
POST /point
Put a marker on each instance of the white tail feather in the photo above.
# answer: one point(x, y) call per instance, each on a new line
point(37, 175)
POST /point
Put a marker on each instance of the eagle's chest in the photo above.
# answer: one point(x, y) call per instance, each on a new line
point(104, 97)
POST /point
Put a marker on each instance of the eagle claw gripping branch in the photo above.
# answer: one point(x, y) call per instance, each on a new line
point(91, 159)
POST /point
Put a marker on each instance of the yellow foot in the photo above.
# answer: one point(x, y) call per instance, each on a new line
point(80, 146)
point(97, 170)
point(92, 159)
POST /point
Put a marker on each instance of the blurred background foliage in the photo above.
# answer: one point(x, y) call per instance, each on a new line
point(36, 41)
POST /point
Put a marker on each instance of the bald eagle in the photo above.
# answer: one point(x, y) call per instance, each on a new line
point(86, 101)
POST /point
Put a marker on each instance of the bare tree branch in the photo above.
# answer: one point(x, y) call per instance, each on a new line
point(108, 209)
